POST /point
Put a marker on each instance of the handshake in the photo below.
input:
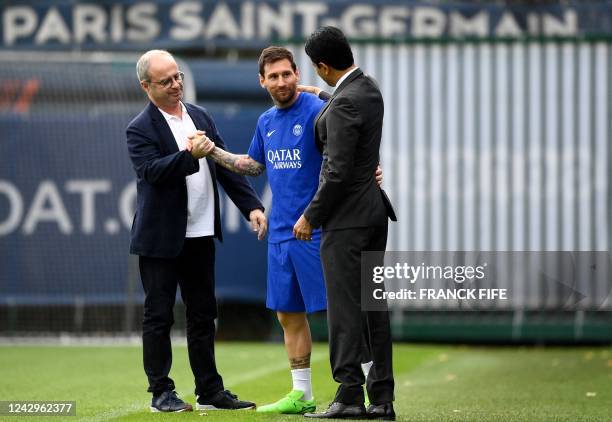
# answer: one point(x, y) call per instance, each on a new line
point(199, 145)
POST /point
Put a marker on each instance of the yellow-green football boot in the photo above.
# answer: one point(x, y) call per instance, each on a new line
point(291, 404)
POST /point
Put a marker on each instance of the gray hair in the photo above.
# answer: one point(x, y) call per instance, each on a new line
point(142, 66)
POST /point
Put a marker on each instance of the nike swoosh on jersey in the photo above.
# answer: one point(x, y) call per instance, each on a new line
point(271, 132)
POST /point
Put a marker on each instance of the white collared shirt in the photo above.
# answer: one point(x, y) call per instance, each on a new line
point(346, 75)
point(200, 191)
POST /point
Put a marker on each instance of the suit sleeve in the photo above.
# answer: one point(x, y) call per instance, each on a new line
point(325, 96)
point(343, 123)
point(151, 166)
point(236, 186)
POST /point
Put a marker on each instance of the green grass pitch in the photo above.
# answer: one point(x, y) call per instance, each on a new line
point(433, 382)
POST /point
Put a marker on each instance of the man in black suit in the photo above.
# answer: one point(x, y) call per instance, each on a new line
point(353, 212)
point(177, 217)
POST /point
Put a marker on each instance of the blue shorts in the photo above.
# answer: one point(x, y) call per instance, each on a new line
point(295, 276)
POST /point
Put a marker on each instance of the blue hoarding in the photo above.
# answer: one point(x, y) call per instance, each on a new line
point(137, 24)
point(67, 196)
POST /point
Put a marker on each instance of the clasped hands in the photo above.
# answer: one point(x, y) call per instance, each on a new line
point(199, 145)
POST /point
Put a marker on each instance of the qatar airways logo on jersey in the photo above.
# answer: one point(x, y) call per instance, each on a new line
point(282, 159)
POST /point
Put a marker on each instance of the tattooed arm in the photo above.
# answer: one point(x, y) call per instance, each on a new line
point(238, 163)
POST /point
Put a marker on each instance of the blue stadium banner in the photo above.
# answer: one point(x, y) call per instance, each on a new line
point(137, 24)
point(67, 198)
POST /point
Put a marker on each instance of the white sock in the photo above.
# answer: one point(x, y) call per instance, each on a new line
point(365, 367)
point(301, 382)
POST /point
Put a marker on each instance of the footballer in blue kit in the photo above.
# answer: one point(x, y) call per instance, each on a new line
point(284, 145)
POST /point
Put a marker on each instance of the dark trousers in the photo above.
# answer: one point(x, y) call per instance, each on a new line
point(193, 270)
point(341, 258)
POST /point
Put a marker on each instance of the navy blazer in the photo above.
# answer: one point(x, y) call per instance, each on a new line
point(160, 223)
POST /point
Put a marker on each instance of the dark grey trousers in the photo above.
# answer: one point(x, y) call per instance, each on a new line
point(341, 259)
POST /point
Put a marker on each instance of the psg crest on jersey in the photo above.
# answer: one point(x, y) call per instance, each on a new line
point(297, 129)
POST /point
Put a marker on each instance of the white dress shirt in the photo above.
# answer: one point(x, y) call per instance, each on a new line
point(346, 75)
point(200, 191)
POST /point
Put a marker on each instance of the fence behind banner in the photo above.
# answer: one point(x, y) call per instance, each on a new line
point(496, 146)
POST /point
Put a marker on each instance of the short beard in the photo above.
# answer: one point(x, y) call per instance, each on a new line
point(284, 103)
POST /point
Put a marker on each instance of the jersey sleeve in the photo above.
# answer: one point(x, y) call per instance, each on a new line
point(256, 150)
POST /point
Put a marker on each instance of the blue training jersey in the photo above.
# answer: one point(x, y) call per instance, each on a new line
point(284, 142)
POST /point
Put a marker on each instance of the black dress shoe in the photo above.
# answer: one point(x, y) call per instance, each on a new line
point(223, 400)
point(338, 410)
point(381, 412)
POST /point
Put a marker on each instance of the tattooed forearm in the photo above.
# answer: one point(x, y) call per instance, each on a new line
point(226, 159)
point(241, 164)
point(300, 362)
point(247, 165)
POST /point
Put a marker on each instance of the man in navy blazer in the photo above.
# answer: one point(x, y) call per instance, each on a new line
point(177, 218)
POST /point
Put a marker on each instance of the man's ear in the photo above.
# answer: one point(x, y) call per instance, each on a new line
point(324, 68)
point(145, 86)
point(297, 74)
point(261, 81)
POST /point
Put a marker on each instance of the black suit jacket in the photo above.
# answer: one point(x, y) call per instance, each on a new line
point(160, 222)
point(348, 131)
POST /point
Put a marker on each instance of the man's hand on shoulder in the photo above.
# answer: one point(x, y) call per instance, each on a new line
point(378, 174)
point(310, 89)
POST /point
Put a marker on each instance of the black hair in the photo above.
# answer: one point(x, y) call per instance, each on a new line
point(329, 45)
